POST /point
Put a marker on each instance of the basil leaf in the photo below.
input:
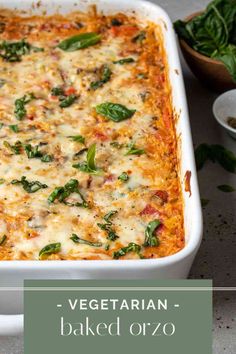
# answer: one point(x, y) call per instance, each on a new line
point(67, 101)
point(226, 188)
point(62, 193)
point(213, 33)
point(105, 77)
point(14, 128)
point(116, 22)
point(116, 144)
point(109, 215)
point(89, 165)
point(132, 247)
point(181, 30)
point(81, 241)
point(202, 153)
point(20, 111)
point(1, 125)
point(124, 177)
point(114, 111)
point(2, 82)
point(16, 148)
point(204, 202)
point(224, 157)
point(2, 180)
point(34, 152)
point(47, 158)
point(30, 187)
point(134, 151)
point(13, 51)
point(228, 56)
point(55, 194)
point(111, 234)
point(77, 138)
point(57, 91)
point(50, 249)
point(3, 240)
point(124, 61)
point(79, 41)
point(151, 239)
point(140, 37)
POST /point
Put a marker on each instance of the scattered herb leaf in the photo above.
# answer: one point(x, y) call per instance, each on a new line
point(105, 75)
point(20, 110)
point(57, 91)
point(50, 249)
point(226, 188)
point(3, 240)
point(204, 202)
point(140, 37)
point(62, 193)
point(13, 51)
point(81, 241)
point(89, 165)
point(124, 61)
point(16, 148)
point(34, 152)
point(111, 234)
point(151, 239)
point(30, 187)
point(132, 247)
point(14, 128)
point(116, 22)
point(77, 138)
point(134, 151)
point(224, 157)
point(67, 101)
point(2, 82)
point(124, 177)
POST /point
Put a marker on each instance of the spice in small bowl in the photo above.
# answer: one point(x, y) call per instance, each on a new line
point(224, 110)
point(232, 122)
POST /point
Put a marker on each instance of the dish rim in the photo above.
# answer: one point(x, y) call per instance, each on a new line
point(191, 246)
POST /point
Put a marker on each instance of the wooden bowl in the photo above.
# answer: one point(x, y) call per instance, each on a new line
point(210, 72)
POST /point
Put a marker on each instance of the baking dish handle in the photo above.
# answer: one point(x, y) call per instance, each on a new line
point(11, 325)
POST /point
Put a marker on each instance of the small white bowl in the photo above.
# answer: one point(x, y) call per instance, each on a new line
point(225, 107)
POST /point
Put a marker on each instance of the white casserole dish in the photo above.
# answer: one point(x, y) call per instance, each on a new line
point(13, 273)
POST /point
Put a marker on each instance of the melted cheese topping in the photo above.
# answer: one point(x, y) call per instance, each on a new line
point(152, 191)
